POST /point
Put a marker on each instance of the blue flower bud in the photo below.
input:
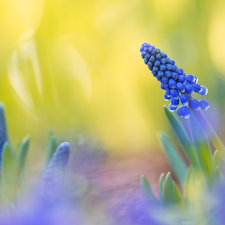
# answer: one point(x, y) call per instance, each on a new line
point(163, 61)
point(145, 61)
point(179, 111)
point(154, 73)
point(168, 73)
point(184, 99)
point(204, 104)
point(152, 59)
point(180, 87)
point(172, 62)
point(181, 79)
point(180, 71)
point(174, 93)
point(157, 50)
point(166, 86)
point(197, 88)
point(175, 76)
point(185, 111)
point(162, 67)
point(168, 92)
point(166, 97)
point(164, 55)
point(190, 78)
point(168, 60)
point(172, 83)
point(160, 73)
point(162, 86)
point(204, 91)
point(157, 63)
point(189, 89)
point(171, 108)
point(155, 68)
point(158, 56)
point(169, 66)
point(165, 80)
point(195, 104)
point(174, 102)
point(174, 68)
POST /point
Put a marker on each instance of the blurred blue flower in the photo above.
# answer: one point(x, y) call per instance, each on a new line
point(177, 84)
point(53, 177)
point(3, 130)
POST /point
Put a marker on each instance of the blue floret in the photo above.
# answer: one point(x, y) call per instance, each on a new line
point(173, 79)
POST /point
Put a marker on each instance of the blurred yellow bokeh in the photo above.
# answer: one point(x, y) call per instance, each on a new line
point(74, 67)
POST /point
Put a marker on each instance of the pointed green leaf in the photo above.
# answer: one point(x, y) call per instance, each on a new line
point(188, 188)
point(183, 138)
point(177, 195)
point(174, 157)
point(8, 177)
point(203, 150)
point(21, 154)
point(216, 160)
point(147, 190)
point(51, 149)
point(161, 180)
point(211, 133)
point(168, 194)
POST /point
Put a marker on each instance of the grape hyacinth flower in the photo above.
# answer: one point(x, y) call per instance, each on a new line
point(179, 86)
point(53, 177)
point(3, 130)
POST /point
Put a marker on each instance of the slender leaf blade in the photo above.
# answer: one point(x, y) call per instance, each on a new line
point(52, 145)
point(147, 191)
point(174, 157)
point(203, 150)
point(161, 181)
point(21, 154)
point(216, 160)
point(168, 194)
point(183, 138)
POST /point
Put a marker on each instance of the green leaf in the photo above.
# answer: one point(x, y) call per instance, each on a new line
point(203, 150)
point(211, 133)
point(147, 190)
point(51, 149)
point(189, 184)
point(174, 157)
point(21, 154)
point(8, 177)
point(168, 194)
point(178, 195)
point(161, 180)
point(183, 138)
point(216, 160)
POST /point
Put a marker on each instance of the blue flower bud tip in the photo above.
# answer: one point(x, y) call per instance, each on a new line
point(174, 80)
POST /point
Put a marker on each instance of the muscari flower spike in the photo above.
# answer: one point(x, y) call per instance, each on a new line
point(179, 86)
point(52, 179)
point(3, 130)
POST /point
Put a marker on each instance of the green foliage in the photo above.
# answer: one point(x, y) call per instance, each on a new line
point(21, 154)
point(183, 138)
point(161, 182)
point(147, 190)
point(52, 145)
point(174, 157)
point(203, 150)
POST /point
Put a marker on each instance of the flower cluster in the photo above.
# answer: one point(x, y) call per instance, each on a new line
point(3, 130)
point(179, 86)
point(54, 173)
